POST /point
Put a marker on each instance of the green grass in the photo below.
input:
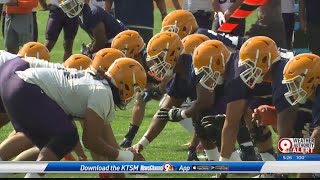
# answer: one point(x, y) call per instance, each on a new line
point(166, 147)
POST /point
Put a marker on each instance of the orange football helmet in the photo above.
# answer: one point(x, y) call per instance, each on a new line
point(163, 50)
point(104, 58)
point(210, 58)
point(181, 22)
point(257, 54)
point(301, 75)
point(34, 49)
point(129, 42)
point(192, 41)
point(78, 61)
point(129, 77)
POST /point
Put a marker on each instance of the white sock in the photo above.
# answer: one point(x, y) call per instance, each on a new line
point(187, 124)
point(267, 157)
point(235, 156)
point(32, 175)
point(246, 144)
point(223, 159)
point(212, 154)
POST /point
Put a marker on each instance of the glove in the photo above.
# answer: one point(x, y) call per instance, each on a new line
point(173, 115)
point(152, 93)
point(221, 18)
point(85, 50)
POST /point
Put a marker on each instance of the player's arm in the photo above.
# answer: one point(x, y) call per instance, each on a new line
point(234, 6)
point(235, 110)
point(39, 63)
point(162, 8)
point(286, 120)
point(204, 101)
point(216, 6)
point(43, 4)
point(302, 14)
point(93, 133)
point(234, 42)
point(100, 38)
point(157, 124)
point(176, 4)
point(108, 5)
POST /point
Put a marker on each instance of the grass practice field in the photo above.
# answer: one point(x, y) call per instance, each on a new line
point(169, 144)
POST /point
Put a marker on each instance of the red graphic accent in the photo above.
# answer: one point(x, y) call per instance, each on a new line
point(227, 28)
point(285, 145)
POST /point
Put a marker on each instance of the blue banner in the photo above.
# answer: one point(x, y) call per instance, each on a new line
point(154, 167)
point(298, 157)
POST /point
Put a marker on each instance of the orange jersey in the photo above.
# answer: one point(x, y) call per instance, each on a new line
point(23, 7)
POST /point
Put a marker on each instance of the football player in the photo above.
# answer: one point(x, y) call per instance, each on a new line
point(132, 45)
point(100, 25)
point(257, 72)
point(183, 23)
point(58, 94)
point(190, 43)
point(301, 76)
point(164, 54)
point(102, 61)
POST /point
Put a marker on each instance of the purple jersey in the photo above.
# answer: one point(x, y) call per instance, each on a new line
point(92, 15)
point(230, 41)
point(184, 86)
point(236, 89)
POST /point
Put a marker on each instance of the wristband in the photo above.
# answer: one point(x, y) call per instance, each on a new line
point(125, 156)
point(183, 114)
point(144, 142)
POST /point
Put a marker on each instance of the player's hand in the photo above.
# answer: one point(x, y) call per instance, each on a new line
point(267, 115)
point(151, 93)
point(173, 115)
point(137, 148)
point(85, 50)
point(221, 18)
point(227, 15)
point(256, 118)
point(137, 156)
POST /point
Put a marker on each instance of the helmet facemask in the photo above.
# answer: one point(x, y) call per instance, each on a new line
point(296, 94)
point(124, 90)
point(158, 66)
point(210, 79)
point(72, 8)
point(171, 28)
point(253, 74)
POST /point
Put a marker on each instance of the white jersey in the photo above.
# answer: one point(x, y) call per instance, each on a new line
point(195, 5)
point(33, 62)
point(6, 56)
point(74, 91)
